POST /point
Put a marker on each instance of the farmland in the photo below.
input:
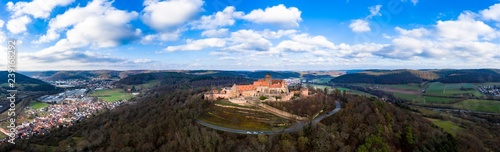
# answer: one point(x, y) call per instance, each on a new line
point(479, 105)
point(456, 95)
point(112, 95)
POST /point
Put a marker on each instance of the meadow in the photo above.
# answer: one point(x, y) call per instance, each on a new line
point(38, 105)
point(479, 105)
point(111, 95)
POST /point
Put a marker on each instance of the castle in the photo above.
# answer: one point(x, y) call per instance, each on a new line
point(272, 89)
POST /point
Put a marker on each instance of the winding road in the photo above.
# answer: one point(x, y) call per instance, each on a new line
point(293, 128)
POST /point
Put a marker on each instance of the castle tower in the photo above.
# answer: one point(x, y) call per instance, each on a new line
point(268, 78)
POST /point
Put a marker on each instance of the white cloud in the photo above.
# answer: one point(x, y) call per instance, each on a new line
point(195, 45)
point(97, 25)
point(3, 38)
point(279, 15)
point(220, 19)
point(1, 23)
point(466, 28)
point(248, 40)
point(492, 13)
point(419, 32)
point(215, 32)
point(18, 25)
point(412, 1)
point(166, 15)
point(359, 26)
point(362, 25)
point(277, 34)
point(374, 11)
point(104, 31)
point(142, 61)
point(36, 8)
point(161, 36)
point(96, 9)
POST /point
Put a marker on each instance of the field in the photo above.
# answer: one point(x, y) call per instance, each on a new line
point(147, 85)
point(448, 94)
point(241, 117)
point(112, 95)
point(447, 126)
point(321, 80)
point(355, 92)
point(479, 105)
point(38, 105)
point(453, 89)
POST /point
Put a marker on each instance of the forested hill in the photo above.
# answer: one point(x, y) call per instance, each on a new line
point(387, 77)
point(418, 76)
point(164, 120)
point(163, 78)
point(468, 76)
point(26, 83)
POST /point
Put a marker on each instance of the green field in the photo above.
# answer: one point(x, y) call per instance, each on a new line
point(355, 92)
point(112, 95)
point(479, 105)
point(38, 105)
point(147, 85)
point(447, 126)
point(439, 100)
point(452, 89)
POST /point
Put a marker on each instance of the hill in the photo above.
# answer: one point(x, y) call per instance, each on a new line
point(26, 83)
point(387, 77)
point(164, 120)
point(468, 76)
point(418, 76)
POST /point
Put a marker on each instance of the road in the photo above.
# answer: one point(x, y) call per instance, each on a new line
point(293, 128)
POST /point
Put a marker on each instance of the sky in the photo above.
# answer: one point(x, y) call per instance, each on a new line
point(251, 35)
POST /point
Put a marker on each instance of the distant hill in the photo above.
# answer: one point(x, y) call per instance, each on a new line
point(26, 83)
point(247, 74)
point(418, 76)
point(469, 76)
point(387, 77)
point(146, 77)
point(84, 75)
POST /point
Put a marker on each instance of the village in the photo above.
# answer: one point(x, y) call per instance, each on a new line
point(490, 90)
point(64, 109)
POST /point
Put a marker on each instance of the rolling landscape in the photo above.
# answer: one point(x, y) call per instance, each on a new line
point(249, 76)
point(428, 115)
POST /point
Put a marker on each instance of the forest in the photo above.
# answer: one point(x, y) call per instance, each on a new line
point(419, 76)
point(164, 120)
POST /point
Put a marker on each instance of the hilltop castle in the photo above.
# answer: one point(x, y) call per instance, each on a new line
point(273, 89)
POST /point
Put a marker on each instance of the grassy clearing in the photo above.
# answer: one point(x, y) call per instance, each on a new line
point(112, 95)
point(147, 85)
point(361, 93)
point(439, 100)
point(479, 105)
point(3, 136)
point(244, 119)
point(38, 105)
point(447, 126)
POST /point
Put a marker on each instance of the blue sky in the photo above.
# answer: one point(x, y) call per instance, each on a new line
point(252, 35)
